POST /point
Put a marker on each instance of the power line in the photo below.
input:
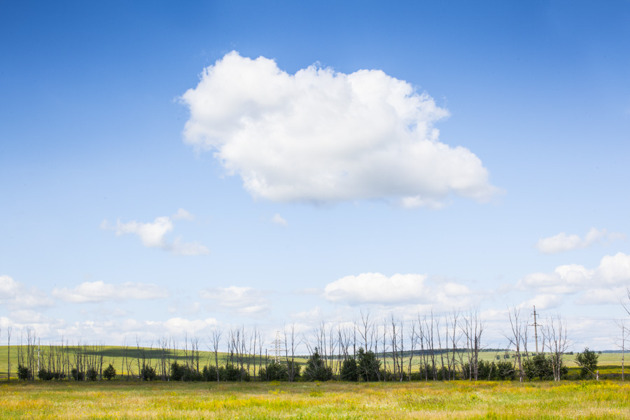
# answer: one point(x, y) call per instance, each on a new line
point(535, 325)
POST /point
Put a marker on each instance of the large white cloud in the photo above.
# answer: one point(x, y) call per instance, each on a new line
point(563, 242)
point(320, 135)
point(99, 291)
point(399, 288)
point(153, 234)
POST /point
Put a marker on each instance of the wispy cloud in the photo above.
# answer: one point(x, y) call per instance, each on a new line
point(563, 242)
point(16, 295)
point(99, 291)
point(279, 220)
point(242, 300)
point(153, 234)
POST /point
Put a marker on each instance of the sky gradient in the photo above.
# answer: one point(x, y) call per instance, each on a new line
point(173, 167)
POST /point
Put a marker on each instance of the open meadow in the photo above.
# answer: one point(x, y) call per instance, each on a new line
point(255, 400)
point(128, 397)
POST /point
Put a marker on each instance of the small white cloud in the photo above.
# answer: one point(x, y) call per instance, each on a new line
point(8, 287)
point(377, 288)
point(243, 300)
point(26, 316)
point(279, 220)
point(153, 234)
point(602, 296)
point(417, 201)
point(542, 302)
point(564, 280)
point(183, 215)
point(310, 315)
point(188, 248)
point(15, 295)
point(613, 271)
point(563, 242)
point(99, 291)
point(325, 136)
point(397, 289)
point(177, 326)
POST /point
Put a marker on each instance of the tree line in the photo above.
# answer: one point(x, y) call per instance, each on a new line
point(428, 348)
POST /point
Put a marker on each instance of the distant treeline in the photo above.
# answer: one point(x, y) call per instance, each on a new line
point(430, 348)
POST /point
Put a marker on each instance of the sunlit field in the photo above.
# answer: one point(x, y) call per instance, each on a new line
point(128, 397)
point(459, 399)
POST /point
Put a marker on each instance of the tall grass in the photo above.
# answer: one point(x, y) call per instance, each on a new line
point(433, 400)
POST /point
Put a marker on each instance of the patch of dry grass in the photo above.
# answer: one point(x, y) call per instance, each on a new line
point(439, 400)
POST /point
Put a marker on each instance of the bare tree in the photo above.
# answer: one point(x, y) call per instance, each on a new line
point(366, 331)
point(518, 333)
point(454, 342)
point(332, 348)
point(412, 343)
point(555, 336)
point(290, 345)
point(216, 340)
point(472, 329)
point(394, 346)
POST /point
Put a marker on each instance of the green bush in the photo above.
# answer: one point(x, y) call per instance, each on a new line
point(76, 375)
point(316, 369)
point(349, 370)
point(295, 369)
point(147, 373)
point(369, 366)
point(539, 367)
point(185, 373)
point(209, 373)
point(24, 373)
point(505, 371)
point(91, 374)
point(274, 371)
point(45, 375)
point(109, 373)
point(587, 361)
point(233, 373)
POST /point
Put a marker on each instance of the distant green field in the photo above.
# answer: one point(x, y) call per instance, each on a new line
point(125, 359)
point(330, 400)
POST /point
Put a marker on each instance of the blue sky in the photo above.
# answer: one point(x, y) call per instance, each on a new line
point(307, 192)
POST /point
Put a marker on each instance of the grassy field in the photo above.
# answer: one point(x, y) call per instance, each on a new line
point(436, 400)
point(116, 355)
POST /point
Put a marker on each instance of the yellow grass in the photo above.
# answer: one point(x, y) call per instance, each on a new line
point(439, 400)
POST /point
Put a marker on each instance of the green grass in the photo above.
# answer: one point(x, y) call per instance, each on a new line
point(434, 400)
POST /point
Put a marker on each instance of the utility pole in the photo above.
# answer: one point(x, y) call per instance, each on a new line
point(535, 325)
point(277, 345)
